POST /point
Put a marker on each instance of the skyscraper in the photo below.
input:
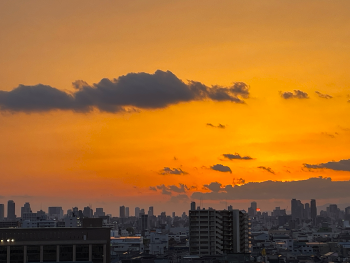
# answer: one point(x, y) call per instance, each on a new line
point(11, 210)
point(137, 212)
point(2, 212)
point(254, 206)
point(150, 211)
point(313, 210)
point(122, 212)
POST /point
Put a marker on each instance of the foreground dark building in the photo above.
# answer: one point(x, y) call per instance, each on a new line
point(20, 245)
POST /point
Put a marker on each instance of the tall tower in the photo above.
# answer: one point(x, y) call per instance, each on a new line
point(11, 210)
point(2, 212)
point(150, 211)
point(254, 206)
point(137, 212)
point(313, 210)
point(122, 212)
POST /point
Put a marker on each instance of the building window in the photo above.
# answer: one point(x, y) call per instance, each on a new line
point(33, 253)
point(66, 252)
point(16, 254)
point(49, 253)
point(82, 253)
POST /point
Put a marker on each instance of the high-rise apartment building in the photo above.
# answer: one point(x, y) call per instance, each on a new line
point(122, 212)
point(11, 210)
point(216, 232)
point(2, 212)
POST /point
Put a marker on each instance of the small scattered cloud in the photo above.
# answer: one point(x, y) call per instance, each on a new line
point(152, 188)
point(221, 168)
point(323, 96)
point(268, 169)
point(167, 170)
point(236, 156)
point(296, 94)
point(342, 165)
point(220, 126)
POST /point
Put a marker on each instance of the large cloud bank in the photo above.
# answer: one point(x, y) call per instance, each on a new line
point(137, 90)
point(312, 188)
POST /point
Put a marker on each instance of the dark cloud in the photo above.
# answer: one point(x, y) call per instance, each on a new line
point(167, 170)
point(236, 156)
point(342, 165)
point(135, 90)
point(152, 188)
point(296, 94)
point(220, 126)
point(182, 188)
point(181, 198)
point(214, 187)
point(323, 96)
point(312, 188)
point(221, 168)
point(238, 181)
point(267, 169)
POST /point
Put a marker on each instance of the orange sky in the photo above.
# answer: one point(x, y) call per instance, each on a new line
point(67, 158)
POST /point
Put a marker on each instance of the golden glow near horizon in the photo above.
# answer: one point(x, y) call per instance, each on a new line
point(272, 46)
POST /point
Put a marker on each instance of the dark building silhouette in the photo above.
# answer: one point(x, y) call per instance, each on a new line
point(11, 210)
point(313, 210)
point(122, 212)
point(2, 212)
point(22, 245)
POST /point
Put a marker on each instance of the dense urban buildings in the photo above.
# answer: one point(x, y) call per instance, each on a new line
point(200, 234)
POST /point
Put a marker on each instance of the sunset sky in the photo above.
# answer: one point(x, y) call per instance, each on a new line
point(155, 102)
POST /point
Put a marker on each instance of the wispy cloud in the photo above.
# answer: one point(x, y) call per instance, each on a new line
point(167, 170)
point(323, 96)
point(268, 169)
point(220, 126)
point(342, 165)
point(236, 156)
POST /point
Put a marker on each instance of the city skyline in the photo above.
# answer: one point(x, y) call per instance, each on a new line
point(161, 103)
